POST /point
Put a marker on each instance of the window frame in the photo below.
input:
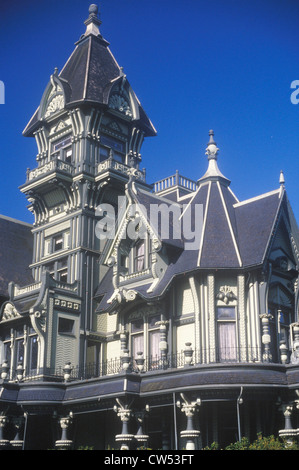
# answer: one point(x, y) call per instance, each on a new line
point(226, 353)
point(59, 267)
point(114, 148)
point(65, 146)
point(147, 332)
point(18, 341)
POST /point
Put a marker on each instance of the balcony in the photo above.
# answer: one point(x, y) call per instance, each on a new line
point(113, 165)
point(187, 358)
point(52, 166)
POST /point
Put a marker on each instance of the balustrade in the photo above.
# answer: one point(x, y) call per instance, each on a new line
point(53, 165)
point(140, 364)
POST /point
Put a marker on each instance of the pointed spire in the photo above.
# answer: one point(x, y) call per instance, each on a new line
point(93, 22)
point(213, 172)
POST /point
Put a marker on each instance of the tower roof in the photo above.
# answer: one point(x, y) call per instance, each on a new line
point(233, 235)
point(89, 75)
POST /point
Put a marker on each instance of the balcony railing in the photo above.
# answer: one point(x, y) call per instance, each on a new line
point(175, 180)
point(186, 358)
point(53, 165)
point(115, 165)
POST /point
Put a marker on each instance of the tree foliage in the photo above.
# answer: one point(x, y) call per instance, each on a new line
point(261, 443)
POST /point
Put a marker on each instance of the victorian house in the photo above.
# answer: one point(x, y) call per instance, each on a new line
point(134, 314)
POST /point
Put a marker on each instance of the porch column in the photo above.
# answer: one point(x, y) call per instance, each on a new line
point(189, 408)
point(288, 432)
point(64, 443)
point(125, 414)
point(163, 346)
point(17, 443)
point(140, 417)
point(4, 443)
point(266, 338)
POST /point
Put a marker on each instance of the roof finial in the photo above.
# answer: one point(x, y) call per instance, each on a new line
point(281, 179)
point(212, 148)
point(93, 21)
point(213, 173)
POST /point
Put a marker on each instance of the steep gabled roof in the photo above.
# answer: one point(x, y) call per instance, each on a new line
point(234, 235)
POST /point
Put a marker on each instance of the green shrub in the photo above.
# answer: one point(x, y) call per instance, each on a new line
point(261, 443)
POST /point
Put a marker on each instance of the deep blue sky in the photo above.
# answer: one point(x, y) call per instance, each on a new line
point(195, 65)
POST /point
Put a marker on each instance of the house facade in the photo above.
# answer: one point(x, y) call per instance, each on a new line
point(161, 316)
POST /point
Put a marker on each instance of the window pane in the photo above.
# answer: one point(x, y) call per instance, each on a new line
point(65, 325)
point(33, 353)
point(227, 341)
point(139, 259)
point(114, 144)
point(62, 275)
point(137, 345)
point(20, 350)
point(59, 144)
point(226, 313)
point(154, 340)
point(153, 320)
point(104, 153)
point(137, 325)
point(68, 155)
point(7, 352)
point(57, 243)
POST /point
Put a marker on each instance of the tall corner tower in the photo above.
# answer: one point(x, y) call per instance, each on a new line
point(89, 128)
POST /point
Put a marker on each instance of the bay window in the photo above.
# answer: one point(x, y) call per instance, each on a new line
point(20, 346)
point(145, 338)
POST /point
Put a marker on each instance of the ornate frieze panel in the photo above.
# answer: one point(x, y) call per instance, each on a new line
point(55, 104)
point(120, 104)
point(9, 312)
point(66, 305)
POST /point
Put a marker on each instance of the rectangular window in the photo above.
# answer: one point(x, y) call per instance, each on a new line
point(66, 326)
point(113, 144)
point(227, 340)
point(68, 155)
point(33, 353)
point(62, 143)
point(62, 149)
point(58, 242)
point(20, 350)
point(104, 153)
point(139, 257)
point(137, 344)
point(58, 269)
point(112, 148)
